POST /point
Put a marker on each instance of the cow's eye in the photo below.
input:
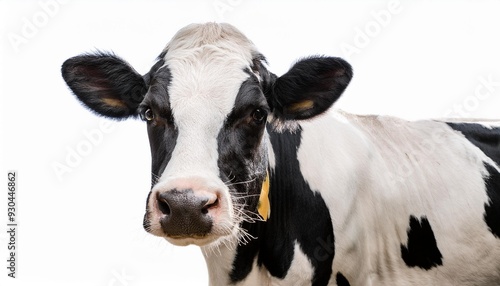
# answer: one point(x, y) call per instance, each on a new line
point(259, 115)
point(148, 115)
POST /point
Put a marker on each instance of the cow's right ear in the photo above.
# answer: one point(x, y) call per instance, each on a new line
point(105, 83)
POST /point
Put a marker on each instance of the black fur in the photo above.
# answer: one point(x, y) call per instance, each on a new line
point(267, 79)
point(147, 77)
point(421, 250)
point(488, 140)
point(95, 78)
point(492, 208)
point(341, 280)
point(318, 79)
point(293, 206)
point(239, 143)
point(162, 131)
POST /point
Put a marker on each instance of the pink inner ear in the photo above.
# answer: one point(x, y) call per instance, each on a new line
point(334, 73)
point(101, 86)
point(94, 80)
point(339, 72)
point(88, 71)
point(329, 79)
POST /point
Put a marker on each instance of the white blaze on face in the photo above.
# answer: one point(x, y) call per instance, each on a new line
point(201, 96)
point(207, 71)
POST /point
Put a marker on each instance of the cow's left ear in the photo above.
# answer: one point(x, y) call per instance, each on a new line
point(309, 88)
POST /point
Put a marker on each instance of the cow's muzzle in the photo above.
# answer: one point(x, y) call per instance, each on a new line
point(184, 213)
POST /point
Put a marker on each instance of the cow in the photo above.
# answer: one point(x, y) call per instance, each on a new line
point(277, 188)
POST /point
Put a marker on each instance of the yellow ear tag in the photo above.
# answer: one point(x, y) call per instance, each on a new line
point(264, 206)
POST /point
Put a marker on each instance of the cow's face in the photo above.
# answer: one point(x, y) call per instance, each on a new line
point(206, 103)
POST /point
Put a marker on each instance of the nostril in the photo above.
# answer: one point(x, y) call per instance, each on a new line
point(209, 205)
point(163, 207)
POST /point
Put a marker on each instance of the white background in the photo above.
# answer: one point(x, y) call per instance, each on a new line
point(415, 60)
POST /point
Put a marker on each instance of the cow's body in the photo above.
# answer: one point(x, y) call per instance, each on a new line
point(355, 200)
point(390, 174)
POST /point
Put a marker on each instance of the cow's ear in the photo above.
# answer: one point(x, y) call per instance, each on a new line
point(309, 88)
point(105, 83)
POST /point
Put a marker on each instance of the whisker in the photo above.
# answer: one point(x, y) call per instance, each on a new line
point(229, 178)
point(243, 182)
point(242, 196)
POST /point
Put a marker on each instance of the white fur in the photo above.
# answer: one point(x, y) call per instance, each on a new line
point(219, 259)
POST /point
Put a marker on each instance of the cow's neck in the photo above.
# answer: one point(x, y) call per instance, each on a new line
point(288, 245)
point(219, 261)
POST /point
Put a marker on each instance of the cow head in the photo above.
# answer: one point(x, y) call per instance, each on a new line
point(206, 102)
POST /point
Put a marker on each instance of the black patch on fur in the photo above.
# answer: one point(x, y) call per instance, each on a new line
point(341, 280)
point(492, 208)
point(488, 140)
point(421, 249)
point(162, 55)
point(103, 78)
point(297, 214)
point(162, 131)
point(242, 157)
point(239, 142)
point(267, 79)
point(147, 77)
